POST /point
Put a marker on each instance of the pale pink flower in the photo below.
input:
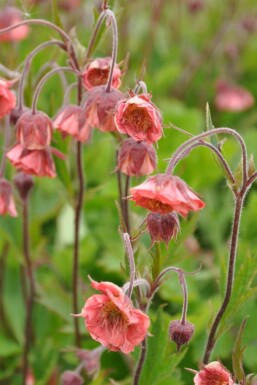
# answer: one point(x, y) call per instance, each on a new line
point(100, 108)
point(8, 17)
point(139, 118)
point(136, 158)
point(232, 98)
point(165, 193)
point(72, 120)
point(112, 320)
point(70, 377)
point(7, 205)
point(90, 359)
point(7, 97)
point(96, 73)
point(213, 374)
point(34, 162)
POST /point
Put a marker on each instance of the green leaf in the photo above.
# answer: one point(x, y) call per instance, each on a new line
point(8, 347)
point(238, 354)
point(55, 13)
point(210, 126)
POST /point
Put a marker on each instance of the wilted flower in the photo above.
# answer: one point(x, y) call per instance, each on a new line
point(7, 205)
point(70, 377)
point(213, 374)
point(232, 98)
point(112, 320)
point(7, 97)
point(180, 332)
point(139, 118)
point(96, 73)
point(24, 184)
point(72, 120)
point(136, 158)
point(164, 193)
point(162, 227)
point(100, 108)
point(8, 17)
point(90, 359)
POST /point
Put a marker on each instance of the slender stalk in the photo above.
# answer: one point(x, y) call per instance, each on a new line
point(28, 329)
point(42, 82)
point(230, 279)
point(141, 86)
point(140, 362)
point(132, 268)
point(185, 297)
point(78, 209)
point(126, 204)
point(27, 64)
point(111, 15)
point(223, 130)
point(7, 133)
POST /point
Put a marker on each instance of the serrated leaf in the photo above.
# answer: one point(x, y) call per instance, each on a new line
point(210, 126)
point(238, 354)
point(55, 13)
point(251, 166)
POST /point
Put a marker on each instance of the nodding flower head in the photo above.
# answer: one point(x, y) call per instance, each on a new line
point(162, 227)
point(7, 205)
point(230, 97)
point(213, 374)
point(70, 377)
point(112, 320)
point(100, 108)
point(24, 184)
point(8, 17)
point(72, 120)
point(34, 131)
point(136, 158)
point(7, 97)
point(164, 193)
point(181, 333)
point(96, 73)
point(139, 118)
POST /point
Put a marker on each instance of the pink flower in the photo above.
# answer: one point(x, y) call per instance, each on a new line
point(136, 158)
point(96, 73)
point(213, 374)
point(8, 17)
point(34, 162)
point(232, 98)
point(112, 320)
point(34, 131)
point(72, 120)
point(90, 359)
point(100, 108)
point(139, 118)
point(7, 205)
point(162, 227)
point(165, 193)
point(70, 377)
point(7, 98)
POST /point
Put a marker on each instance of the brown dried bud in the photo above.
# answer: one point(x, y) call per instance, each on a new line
point(70, 377)
point(136, 158)
point(24, 184)
point(162, 227)
point(181, 333)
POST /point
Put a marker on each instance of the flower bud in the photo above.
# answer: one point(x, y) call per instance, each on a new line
point(24, 184)
point(136, 158)
point(100, 108)
point(7, 205)
point(181, 333)
point(162, 227)
point(90, 359)
point(70, 377)
point(96, 73)
point(16, 114)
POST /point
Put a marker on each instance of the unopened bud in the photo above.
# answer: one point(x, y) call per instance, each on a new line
point(24, 184)
point(162, 227)
point(16, 114)
point(181, 333)
point(70, 377)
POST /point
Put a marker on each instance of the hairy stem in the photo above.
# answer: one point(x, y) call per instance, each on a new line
point(132, 268)
point(79, 205)
point(230, 279)
point(28, 328)
point(140, 362)
point(7, 132)
point(126, 204)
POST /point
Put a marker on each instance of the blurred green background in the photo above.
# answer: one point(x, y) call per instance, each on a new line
point(183, 51)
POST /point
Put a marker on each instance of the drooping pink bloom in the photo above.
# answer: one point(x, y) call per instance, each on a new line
point(112, 320)
point(34, 131)
point(72, 120)
point(213, 374)
point(232, 98)
point(100, 108)
point(33, 162)
point(90, 359)
point(7, 98)
point(136, 158)
point(97, 71)
point(139, 118)
point(165, 193)
point(162, 227)
point(7, 205)
point(181, 332)
point(8, 17)
point(70, 377)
